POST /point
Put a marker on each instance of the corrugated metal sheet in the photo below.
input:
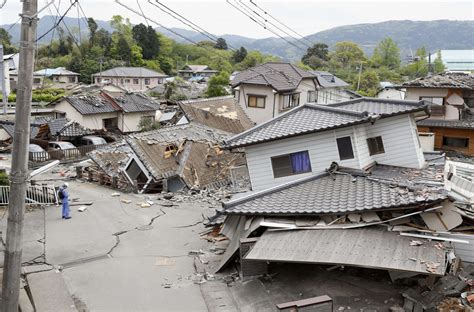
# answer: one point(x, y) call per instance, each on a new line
point(370, 247)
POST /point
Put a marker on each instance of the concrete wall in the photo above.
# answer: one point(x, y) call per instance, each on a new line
point(451, 112)
point(129, 122)
point(398, 134)
point(392, 94)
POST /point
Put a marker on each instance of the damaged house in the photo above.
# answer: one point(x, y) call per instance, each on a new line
point(172, 158)
point(347, 184)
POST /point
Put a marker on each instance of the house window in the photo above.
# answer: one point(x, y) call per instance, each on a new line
point(170, 150)
point(147, 81)
point(375, 145)
point(312, 96)
point(127, 80)
point(110, 123)
point(36, 80)
point(135, 81)
point(456, 142)
point(291, 164)
point(344, 145)
point(256, 101)
point(433, 100)
point(71, 79)
point(291, 100)
point(98, 80)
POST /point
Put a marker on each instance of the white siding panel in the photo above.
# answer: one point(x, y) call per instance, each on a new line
point(398, 140)
point(362, 148)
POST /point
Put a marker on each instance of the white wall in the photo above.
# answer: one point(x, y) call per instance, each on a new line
point(398, 135)
point(451, 112)
point(130, 86)
point(258, 115)
point(129, 122)
point(391, 93)
point(93, 122)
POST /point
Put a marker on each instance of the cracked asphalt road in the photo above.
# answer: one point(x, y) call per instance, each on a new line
point(111, 252)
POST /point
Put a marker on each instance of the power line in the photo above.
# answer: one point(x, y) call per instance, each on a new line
point(58, 22)
point(264, 26)
point(269, 22)
point(140, 7)
point(281, 23)
point(3, 3)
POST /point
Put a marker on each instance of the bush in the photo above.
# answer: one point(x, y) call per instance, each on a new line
point(4, 179)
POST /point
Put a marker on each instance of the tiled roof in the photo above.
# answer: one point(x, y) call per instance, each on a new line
point(60, 71)
point(137, 72)
point(9, 128)
point(445, 80)
point(91, 104)
point(279, 76)
point(455, 124)
point(65, 127)
point(328, 80)
point(383, 107)
point(133, 102)
point(301, 120)
point(197, 68)
point(325, 194)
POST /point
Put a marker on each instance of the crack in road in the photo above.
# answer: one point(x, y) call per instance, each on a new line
point(117, 237)
point(156, 217)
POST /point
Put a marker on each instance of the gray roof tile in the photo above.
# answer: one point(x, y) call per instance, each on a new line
point(91, 104)
point(326, 194)
point(133, 102)
point(455, 124)
point(137, 72)
point(328, 80)
point(444, 80)
point(301, 120)
point(383, 107)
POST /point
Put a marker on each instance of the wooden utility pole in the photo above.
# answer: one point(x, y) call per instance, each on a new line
point(3, 83)
point(19, 170)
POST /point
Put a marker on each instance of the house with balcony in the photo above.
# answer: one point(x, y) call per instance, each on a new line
point(271, 89)
point(451, 97)
point(136, 79)
point(356, 134)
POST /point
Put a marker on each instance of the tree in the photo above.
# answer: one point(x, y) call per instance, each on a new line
point(239, 55)
point(147, 39)
point(217, 85)
point(418, 67)
point(92, 30)
point(438, 65)
point(103, 40)
point(221, 44)
point(5, 37)
point(386, 54)
point(316, 56)
point(346, 54)
point(369, 83)
point(124, 52)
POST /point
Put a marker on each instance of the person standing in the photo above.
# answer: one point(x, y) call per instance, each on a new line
point(64, 196)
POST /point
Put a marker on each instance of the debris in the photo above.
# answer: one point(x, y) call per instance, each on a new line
point(416, 243)
point(145, 205)
point(115, 194)
point(81, 208)
point(164, 261)
point(196, 252)
point(370, 217)
point(167, 285)
point(125, 201)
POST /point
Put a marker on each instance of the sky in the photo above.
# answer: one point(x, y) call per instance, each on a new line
point(304, 17)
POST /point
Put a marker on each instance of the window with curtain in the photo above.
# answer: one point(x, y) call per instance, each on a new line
point(256, 101)
point(291, 164)
point(291, 100)
point(375, 145)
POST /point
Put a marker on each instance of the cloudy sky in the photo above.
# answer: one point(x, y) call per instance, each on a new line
point(305, 17)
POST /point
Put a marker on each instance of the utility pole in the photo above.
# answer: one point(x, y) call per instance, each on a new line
point(360, 73)
point(19, 170)
point(3, 82)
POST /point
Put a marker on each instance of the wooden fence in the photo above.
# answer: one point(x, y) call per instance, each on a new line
point(66, 154)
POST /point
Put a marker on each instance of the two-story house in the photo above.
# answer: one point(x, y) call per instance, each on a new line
point(355, 134)
point(331, 89)
point(452, 109)
point(271, 89)
point(196, 71)
point(130, 78)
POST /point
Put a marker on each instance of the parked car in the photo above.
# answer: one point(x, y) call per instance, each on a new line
point(92, 140)
point(37, 153)
point(62, 149)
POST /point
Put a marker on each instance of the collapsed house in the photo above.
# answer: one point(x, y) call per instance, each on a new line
point(331, 183)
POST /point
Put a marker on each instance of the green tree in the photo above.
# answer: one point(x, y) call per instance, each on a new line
point(386, 54)
point(346, 54)
point(123, 51)
point(438, 65)
point(418, 67)
point(147, 39)
point(5, 37)
point(92, 30)
point(369, 83)
point(217, 85)
point(239, 55)
point(103, 40)
point(316, 56)
point(221, 44)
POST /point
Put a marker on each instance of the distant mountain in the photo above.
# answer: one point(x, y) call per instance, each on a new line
point(409, 35)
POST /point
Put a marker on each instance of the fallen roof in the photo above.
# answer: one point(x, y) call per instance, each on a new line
point(66, 127)
point(444, 80)
point(9, 128)
point(311, 118)
point(328, 194)
point(382, 107)
point(132, 72)
point(369, 247)
point(279, 76)
point(454, 124)
point(112, 158)
point(328, 80)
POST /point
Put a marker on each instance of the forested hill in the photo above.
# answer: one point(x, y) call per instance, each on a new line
point(409, 35)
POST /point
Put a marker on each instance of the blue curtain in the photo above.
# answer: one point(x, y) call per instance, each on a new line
point(300, 162)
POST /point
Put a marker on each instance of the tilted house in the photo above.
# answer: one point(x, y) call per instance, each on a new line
point(97, 111)
point(452, 109)
point(356, 134)
point(130, 78)
point(181, 156)
point(269, 90)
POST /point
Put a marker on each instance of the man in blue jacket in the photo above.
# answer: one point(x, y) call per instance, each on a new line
point(64, 196)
